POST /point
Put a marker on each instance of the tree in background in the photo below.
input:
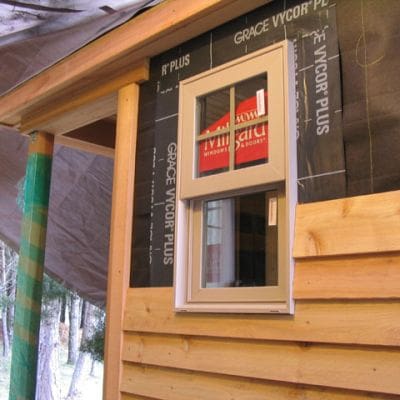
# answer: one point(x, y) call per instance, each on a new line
point(74, 323)
point(95, 344)
point(48, 385)
point(8, 267)
point(93, 321)
point(84, 356)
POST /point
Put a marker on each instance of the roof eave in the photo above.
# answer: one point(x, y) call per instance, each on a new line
point(115, 54)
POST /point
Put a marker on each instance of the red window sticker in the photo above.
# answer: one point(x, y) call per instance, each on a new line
point(251, 143)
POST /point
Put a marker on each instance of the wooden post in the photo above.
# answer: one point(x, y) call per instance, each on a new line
point(30, 268)
point(120, 236)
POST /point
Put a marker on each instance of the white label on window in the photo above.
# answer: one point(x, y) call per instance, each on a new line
point(272, 214)
point(260, 102)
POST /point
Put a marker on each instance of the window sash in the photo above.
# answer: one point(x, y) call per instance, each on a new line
point(250, 294)
point(278, 173)
point(271, 62)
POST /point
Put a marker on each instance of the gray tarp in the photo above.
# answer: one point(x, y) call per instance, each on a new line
point(80, 199)
point(79, 212)
point(26, 53)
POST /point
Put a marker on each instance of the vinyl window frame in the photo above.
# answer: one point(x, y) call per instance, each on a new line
point(278, 173)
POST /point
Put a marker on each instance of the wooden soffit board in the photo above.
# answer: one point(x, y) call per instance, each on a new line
point(84, 77)
point(79, 106)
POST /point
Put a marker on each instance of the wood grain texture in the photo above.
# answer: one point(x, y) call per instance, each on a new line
point(172, 384)
point(42, 143)
point(344, 337)
point(78, 117)
point(101, 132)
point(85, 146)
point(97, 138)
point(154, 31)
point(356, 225)
point(356, 368)
point(120, 235)
point(360, 277)
point(128, 396)
point(151, 310)
point(88, 104)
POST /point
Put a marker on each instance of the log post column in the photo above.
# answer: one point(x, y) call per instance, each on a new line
point(31, 267)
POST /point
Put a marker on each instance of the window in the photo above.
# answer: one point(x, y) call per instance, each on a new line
point(236, 186)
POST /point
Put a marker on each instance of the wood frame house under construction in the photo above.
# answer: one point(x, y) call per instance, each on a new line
point(332, 330)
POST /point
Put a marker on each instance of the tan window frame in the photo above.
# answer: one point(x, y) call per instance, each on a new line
point(278, 173)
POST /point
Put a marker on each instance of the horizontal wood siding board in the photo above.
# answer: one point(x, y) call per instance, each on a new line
point(346, 322)
point(127, 396)
point(345, 367)
point(360, 277)
point(173, 384)
point(356, 225)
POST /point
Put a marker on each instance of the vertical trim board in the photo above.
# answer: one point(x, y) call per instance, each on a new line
point(120, 236)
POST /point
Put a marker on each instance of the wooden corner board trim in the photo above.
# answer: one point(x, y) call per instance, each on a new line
point(154, 31)
point(120, 234)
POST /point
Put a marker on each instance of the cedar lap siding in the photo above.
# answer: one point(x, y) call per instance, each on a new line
point(343, 340)
point(341, 343)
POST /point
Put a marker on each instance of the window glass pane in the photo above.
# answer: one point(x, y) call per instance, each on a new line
point(250, 100)
point(213, 155)
point(213, 117)
point(251, 124)
point(240, 241)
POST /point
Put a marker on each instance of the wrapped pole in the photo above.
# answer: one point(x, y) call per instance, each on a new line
point(30, 268)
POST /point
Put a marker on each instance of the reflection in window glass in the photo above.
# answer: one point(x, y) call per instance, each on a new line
point(213, 107)
point(224, 142)
point(240, 241)
point(213, 152)
point(251, 117)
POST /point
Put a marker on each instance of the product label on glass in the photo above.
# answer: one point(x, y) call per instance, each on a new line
point(251, 143)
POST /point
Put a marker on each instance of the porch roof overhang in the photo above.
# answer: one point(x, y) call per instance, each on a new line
point(82, 88)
